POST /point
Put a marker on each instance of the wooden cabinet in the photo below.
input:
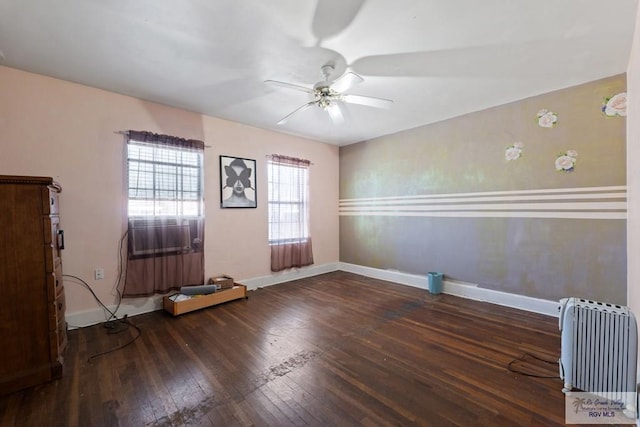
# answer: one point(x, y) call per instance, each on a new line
point(33, 331)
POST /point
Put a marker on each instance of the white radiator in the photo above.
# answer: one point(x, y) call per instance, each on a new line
point(599, 349)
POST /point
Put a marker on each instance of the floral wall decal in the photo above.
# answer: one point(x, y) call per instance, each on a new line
point(546, 118)
point(566, 161)
point(616, 105)
point(513, 152)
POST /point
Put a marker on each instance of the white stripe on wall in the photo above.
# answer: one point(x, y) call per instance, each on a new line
point(575, 203)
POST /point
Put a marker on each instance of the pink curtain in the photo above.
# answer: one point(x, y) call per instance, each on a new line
point(288, 255)
point(161, 274)
point(289, 237)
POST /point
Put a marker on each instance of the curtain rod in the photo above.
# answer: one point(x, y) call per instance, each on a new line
point(126, 133)
point(271, 156)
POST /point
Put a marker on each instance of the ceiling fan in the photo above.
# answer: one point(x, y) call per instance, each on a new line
point(329, 95)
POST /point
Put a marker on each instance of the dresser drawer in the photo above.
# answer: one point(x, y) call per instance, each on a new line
point(61, 305)
point(50, 201)
point(58, 308)
point(52, 234)
point(57, 275)
point(54, 279)
point(58, 327)
point(56, 314)
point(52, 241)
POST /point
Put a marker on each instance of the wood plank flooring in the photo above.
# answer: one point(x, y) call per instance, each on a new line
point(333, 350)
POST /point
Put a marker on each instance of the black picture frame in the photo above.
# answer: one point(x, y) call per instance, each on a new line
point(238, 187)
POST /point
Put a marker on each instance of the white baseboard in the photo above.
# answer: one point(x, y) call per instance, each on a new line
point(133, 307)
point(130, 307)
point(461, 289)
point(289, 275)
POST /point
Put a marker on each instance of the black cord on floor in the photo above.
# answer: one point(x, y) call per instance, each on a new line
point(113, 324)
point(523, 358)
point(86, 285)
point(121, 271)
point(128, 324)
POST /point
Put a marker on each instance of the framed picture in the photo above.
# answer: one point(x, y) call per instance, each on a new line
point(237, 182)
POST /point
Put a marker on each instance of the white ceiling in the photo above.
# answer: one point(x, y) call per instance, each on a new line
point(436, 59)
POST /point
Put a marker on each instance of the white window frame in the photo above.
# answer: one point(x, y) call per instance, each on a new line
point(301, 202)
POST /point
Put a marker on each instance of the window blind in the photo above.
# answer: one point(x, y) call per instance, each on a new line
point(163, 180)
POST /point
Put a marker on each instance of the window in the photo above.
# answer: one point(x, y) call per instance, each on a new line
point(164, 194)
point(288, 198)
point(165, 246)
point(288, 206)
point(163, 180)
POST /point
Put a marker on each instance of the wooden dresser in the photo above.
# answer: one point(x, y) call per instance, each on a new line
point(33, 331)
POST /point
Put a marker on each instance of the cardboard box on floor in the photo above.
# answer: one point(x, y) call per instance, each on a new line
point(222, 282)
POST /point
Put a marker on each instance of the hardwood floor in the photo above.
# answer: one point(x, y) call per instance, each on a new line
point(336, 349)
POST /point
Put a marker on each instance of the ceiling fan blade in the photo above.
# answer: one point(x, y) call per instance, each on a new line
point(334, 16)
point(512, 60)
point(346, 81)
point(297, 110)
point(335, 112)
point(369, 101)
point(289, 85)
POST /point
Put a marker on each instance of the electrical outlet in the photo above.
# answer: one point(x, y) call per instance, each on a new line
point(99, 273)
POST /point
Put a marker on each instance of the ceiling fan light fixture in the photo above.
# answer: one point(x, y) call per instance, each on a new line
point(328, 94)
point(325, 97)
point(324, 103)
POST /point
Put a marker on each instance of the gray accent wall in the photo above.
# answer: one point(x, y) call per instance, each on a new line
point(444, 197)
